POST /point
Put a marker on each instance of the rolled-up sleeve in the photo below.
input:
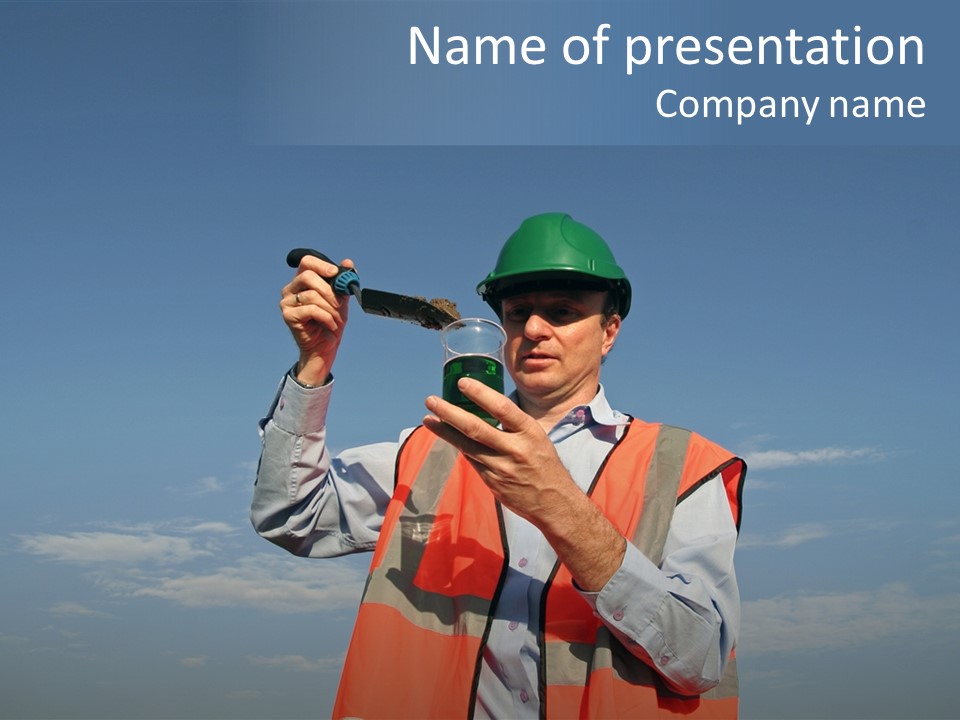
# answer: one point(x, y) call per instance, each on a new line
point(683, 617)
point(306, 500)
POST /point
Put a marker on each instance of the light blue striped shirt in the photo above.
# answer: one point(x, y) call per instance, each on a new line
point(683, 617)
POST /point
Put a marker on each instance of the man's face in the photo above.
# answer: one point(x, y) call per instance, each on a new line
point(555, 343)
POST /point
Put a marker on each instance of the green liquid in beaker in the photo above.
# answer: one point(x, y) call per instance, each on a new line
point(479, 367)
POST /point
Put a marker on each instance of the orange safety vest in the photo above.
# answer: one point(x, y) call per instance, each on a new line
point(441, 561)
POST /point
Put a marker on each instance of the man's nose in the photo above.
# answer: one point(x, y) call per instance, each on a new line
point(536, 327)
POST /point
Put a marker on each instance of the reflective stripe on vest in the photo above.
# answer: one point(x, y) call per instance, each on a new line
point(441, 560)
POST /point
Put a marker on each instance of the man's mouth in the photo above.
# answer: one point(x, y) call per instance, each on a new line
point(536, 357)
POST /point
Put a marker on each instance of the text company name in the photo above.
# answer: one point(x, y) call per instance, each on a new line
point(670, 104)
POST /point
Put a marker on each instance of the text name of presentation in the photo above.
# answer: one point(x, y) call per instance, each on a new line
point(791, 48)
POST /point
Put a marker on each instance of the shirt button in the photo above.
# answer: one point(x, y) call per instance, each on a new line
point(523, 696)
point(664, 659)
point(522, 563)
point(513, 625)
point(618, 615)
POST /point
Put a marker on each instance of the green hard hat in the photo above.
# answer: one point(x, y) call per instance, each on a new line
point(553, 250)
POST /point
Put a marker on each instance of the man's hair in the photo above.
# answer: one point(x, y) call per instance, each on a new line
point(611, 307)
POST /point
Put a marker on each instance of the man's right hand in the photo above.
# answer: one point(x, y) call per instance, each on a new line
point(316, 316)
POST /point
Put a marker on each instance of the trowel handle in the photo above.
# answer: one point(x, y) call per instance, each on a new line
point(341, 283)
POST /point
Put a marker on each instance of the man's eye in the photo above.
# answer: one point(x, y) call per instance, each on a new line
point(563, 314)
point(518, 314)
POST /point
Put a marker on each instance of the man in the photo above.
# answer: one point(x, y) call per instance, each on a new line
point(571, 562)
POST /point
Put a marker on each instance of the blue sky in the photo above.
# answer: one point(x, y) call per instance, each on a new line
point(797, 305)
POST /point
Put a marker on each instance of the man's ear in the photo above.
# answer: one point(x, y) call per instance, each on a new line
point(611, 328)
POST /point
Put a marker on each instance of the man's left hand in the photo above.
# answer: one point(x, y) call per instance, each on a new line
point(517, 461)
point(521, 467)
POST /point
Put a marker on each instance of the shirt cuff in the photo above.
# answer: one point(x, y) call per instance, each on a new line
point(301, 410)
point(632, 597)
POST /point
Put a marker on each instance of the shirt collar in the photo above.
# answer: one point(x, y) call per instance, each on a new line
point(602, 413)
point(596, 411)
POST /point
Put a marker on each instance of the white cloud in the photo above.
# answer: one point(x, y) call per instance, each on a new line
point(946, 552)
point(789, 537)
point(128, 565)
point(206, 528)
point(197, 487)
point(129, 528)
point(754, 483)
point(775, 459)
point(813, 623)
point(11, 640)
point(297, 663)
point(105, 547)
point(206, 485)
point(801, 533)
point(193, 662)
point(263, 582)
point(73, 609)
point(178, 526)
point(71, 635)
point(248, 468)
point(238, 478)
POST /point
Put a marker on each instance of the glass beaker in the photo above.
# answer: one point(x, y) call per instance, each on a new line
point(472, 347)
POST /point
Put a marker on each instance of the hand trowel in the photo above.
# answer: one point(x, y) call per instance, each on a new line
point(432, 315)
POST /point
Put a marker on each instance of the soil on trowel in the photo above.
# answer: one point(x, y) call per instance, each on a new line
point(447, 306)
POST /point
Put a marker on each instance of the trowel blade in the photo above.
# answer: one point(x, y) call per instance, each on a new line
point(404, 307)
